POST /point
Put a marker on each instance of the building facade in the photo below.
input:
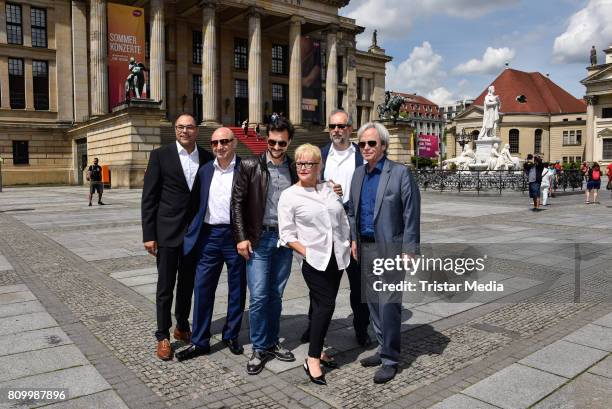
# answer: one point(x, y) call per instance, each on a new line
point(424, 116)
point(598, 85)
point(536, 116)
point(449, 112)
point(224, 61)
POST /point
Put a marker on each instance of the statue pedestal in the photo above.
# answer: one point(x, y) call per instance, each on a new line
point(399, 148)
point(483, 150)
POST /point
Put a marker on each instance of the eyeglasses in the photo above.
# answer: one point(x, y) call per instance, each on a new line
point(221, 141)
point(188, 128)
point(339, 126)
point(371, 144)
point(305, 165)
point(273, 142)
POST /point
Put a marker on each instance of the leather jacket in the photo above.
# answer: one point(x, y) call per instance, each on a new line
point(249, 197)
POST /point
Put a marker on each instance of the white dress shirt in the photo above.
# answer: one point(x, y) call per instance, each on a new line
point(315, 218)
point(339, 167)
point(220, 194)
point(190, 163)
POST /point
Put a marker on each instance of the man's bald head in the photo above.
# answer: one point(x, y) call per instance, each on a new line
point(223, 144)
point(222, 133)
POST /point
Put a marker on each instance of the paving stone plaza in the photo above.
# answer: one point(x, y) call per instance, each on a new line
point(77, 312)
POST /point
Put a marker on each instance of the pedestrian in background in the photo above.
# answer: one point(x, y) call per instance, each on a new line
point(533, 168)
point(547, 177)
point(593, 183)
point(94, 175)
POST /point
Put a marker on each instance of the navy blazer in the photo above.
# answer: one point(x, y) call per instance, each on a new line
point(205, 175)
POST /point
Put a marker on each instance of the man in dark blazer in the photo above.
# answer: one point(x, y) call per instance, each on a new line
point(340, 158)
point(210, 238)
point(167, 195)
point(384, 214)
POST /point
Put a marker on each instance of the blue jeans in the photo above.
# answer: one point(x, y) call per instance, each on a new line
point(268, 270)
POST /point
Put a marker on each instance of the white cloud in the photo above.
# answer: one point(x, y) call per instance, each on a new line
point(441, 96)
point(421, 72)
point(589, 26)
point(394, 18)
point(491, 62)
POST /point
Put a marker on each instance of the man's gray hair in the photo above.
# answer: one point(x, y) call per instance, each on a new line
point(383, 133)
point(341, 111)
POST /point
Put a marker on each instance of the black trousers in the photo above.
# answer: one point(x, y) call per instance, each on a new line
point(361, 312)
point(169, 261)
point(323, 286)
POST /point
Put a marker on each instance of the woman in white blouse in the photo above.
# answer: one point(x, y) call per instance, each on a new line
point(312, 222)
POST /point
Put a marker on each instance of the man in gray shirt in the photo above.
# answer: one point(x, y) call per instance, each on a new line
point(259, 183)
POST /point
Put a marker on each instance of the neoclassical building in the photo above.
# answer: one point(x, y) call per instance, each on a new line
point(599, 110)
point(225, 61)
point(536, 116)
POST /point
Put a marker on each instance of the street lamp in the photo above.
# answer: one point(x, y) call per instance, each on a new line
point(463, 138)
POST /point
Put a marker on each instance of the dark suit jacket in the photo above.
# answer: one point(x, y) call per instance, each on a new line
point(205, 175)
point(397, 210)
point(166, 199)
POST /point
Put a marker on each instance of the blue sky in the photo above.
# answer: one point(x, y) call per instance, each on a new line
point(452, 49)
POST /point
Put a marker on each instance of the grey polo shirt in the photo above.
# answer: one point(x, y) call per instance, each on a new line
point(280, 179)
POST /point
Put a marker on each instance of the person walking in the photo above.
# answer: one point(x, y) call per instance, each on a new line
point(210, 237)
point(313, 223)
point(245, 128)
point(254, 211)
point(547, 177)
point(593, 183)
point(340, 158)
point(533, 169)
point(94, 175)
point(170, 185)
point(384, 213)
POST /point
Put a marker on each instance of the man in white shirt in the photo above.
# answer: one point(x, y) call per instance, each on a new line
point(170, 186)
point(341, 158)
point(210, 239)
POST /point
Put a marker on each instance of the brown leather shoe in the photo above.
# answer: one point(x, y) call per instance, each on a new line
point(184, 336)
point(164, 350)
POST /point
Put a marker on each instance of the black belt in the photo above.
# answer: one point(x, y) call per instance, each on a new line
point(217, 226)
point(368, 239)
point(273, 229)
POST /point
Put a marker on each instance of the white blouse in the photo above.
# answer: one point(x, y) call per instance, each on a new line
point(315, 218)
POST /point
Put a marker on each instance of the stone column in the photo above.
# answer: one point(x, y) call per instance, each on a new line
point(351, 82)
point(4, 84)
point(210, 88)
point(3, 38)
point(29, 85)
point(79, 54)
point(295, 71)
point(255, 83)
point(157, 59)
point(331, 77)
point(98, 57)
point(590, 127)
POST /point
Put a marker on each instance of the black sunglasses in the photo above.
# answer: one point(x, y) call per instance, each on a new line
point(221, 141)
point(273, 142)
point(339, 126)
point(371, 144)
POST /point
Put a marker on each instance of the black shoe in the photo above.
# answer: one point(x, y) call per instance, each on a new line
point(385, 373)
point(363, 338)
point(319, 380)
point(191, 351)
point(100, 203)
point(306, 335)
point(234, 347)
point(281, 353)
point(258, 361)
point(373, 360)
point(89, 203)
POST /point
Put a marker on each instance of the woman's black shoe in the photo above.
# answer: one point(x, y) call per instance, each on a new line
point(319, 380)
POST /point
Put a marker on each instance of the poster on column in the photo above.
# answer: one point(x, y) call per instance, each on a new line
point(311, 80)
point(126, 54)
point(428, 146)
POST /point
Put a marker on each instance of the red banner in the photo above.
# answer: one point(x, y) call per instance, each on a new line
point(126, 40)
point(428, 146)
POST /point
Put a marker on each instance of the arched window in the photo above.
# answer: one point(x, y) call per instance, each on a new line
point(514, 140)
point(537, 141)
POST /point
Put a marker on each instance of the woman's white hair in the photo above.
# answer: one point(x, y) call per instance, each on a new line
point(383, 133)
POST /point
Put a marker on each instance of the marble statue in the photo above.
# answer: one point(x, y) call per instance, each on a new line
point(593, 56)
point(490, 119)
point(494, 161)
point(375, 38)
point(506, 160)
point(464, 160)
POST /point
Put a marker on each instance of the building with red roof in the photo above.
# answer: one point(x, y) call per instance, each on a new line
point(424, 115)
point(536, 116)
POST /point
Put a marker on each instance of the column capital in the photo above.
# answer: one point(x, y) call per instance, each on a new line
point(208, 4)
point(591, 99)
point(255, 12)
point(297, 20)
point(331, 29)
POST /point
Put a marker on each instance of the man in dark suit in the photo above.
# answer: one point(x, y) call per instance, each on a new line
point(384, 214)
point(340, 158)
point(167, 197)
point(210, 238)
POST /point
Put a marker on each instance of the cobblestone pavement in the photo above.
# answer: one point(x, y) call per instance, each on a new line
point(87, 268)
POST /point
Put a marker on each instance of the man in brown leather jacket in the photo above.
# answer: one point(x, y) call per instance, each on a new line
point(259, 183)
